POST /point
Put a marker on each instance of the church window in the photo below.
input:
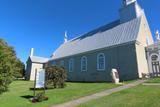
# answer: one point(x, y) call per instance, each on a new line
point(84, 63)
point(154, 57)
point(71, 65)
point(101, 61)
point(53, 62)
point(62, 63)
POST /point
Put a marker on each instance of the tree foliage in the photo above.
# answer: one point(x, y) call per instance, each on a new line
point(56, 76)
point(10, 65)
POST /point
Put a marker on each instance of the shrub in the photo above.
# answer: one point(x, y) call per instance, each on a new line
point(56, 76)
point(39, 97)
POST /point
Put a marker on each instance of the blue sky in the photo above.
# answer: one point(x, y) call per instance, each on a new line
point(41, 23)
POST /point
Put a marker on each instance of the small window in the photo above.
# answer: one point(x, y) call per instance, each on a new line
point(62, 63)
point(71, 65)
point(84, 63)
point(101, 61)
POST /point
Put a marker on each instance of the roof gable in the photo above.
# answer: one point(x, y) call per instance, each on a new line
point(37, 59)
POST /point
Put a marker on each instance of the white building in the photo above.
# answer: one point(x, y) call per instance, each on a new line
point(34, 63)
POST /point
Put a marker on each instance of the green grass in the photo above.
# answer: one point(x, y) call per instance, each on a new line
point(154, 80)
point(139, 96)
point(13, 98)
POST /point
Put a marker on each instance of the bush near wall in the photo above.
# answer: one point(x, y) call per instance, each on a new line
point(56, 76)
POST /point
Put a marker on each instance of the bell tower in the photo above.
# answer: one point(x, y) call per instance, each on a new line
point(130, 10)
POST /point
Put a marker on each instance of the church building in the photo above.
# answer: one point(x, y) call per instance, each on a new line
point(119, 45)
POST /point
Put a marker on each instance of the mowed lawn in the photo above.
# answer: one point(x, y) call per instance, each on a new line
point(139, 96)
point(19, 89)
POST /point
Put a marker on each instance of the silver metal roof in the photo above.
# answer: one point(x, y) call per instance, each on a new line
point(37, 59)
point(105, 36)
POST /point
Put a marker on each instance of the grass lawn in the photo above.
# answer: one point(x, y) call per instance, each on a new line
point(139, 96)
point(18, 89)
point(154, 80)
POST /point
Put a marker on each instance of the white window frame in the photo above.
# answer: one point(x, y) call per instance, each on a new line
point(82, 58)
point(71, 64)
point(98, 67)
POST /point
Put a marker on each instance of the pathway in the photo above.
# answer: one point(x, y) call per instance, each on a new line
point(85, 99)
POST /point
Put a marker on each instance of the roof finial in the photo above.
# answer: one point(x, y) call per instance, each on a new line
point(157, 35)
point(65, 37)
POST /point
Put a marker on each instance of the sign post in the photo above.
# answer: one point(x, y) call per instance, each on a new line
point(39, 80)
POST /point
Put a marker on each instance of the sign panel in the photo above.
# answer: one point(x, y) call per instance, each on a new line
point(40, 79)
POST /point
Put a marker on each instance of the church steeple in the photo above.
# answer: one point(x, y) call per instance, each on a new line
point(130, 10)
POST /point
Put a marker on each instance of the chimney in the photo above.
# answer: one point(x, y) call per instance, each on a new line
point(31, 52)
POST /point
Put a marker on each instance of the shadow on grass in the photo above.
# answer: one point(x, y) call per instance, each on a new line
point(36, 89)
point(41, 89)
point(27, 96)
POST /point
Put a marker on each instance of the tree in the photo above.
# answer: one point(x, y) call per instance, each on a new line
point(9, 65)
point(19, 69)
point(56, 76)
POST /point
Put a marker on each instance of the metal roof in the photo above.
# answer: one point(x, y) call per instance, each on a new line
point(37, 59)
point(109, 35)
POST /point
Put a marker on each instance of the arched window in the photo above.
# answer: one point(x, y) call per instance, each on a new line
point(71, 65)
point(84, 63)
point(101, 61)
point(154, 57)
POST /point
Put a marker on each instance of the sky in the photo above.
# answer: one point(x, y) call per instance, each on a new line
point(40, 24)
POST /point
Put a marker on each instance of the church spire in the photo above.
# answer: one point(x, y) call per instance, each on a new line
point(65, 37)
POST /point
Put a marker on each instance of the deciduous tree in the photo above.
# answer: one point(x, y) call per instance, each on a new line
point(9, 65)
